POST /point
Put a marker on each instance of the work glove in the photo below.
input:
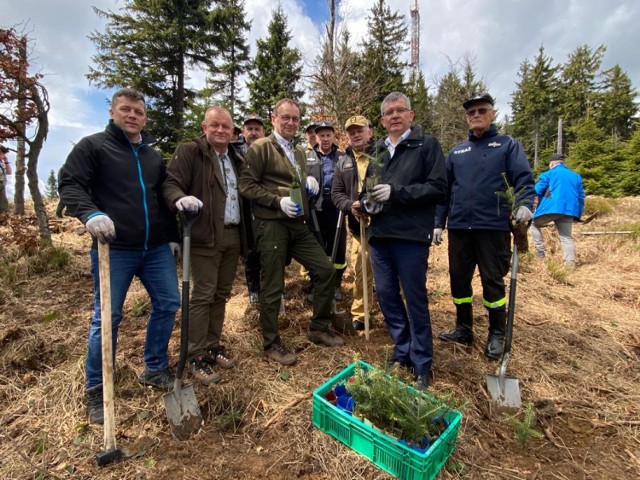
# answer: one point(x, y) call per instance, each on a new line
point(175, 249)
point(189, 203)
point(289, 207)
point(102, 227)
point(437, 236)
point(371, 207)
point(312, 186)
point(523, 215)
point(381, 192)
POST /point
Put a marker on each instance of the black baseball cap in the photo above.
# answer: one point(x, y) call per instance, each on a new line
point(4, 149)
point(253, 117)
point(310, 126)
point(324, 124)
point(481, 98)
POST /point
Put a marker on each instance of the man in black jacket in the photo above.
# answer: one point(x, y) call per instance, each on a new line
point(112, 182)
point(412, 180)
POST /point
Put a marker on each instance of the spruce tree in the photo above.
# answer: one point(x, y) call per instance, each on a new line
point(384, 45)
point(616, 103)
point(277, 69)
point(421, 102)
point(51, 191)
point(450, 126)
point(149, 45)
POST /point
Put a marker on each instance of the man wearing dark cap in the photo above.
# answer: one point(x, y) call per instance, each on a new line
point(5, 169)
point(252, 130)
point(479, 220)
point(321, 163)
point(561, 201)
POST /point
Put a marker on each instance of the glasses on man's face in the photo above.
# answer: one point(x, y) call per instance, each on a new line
point(479, 111)
point(392, 111)
point(287, 119)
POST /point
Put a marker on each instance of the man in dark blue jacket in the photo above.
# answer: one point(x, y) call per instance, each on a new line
point(479, 219)
point(112, 182)
point(412, 180)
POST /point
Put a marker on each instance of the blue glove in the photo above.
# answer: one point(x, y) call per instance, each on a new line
point(371, 207)
point(312, 186)
point(289, 207)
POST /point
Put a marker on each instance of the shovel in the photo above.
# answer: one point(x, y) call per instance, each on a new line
point(503, 390)
point(181, 405)
point(111, 453)
point(365, 280)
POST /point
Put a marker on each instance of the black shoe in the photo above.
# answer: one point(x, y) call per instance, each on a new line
point(422, 381)
point(358, 325)
point(459, 334)
point(164, 379)
point(493, 350)
point(95, 405)
point(338, 295)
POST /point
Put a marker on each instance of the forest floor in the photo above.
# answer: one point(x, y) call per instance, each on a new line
point(576, 355)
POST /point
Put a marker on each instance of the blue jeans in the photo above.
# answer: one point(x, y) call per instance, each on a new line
point(156, 269)
point(397, 263)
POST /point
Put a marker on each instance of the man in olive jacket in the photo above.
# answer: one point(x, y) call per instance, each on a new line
point(272, 165)
point(204, 174)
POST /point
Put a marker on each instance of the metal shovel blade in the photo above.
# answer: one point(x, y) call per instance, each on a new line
point(503, 390)
point(183, 412)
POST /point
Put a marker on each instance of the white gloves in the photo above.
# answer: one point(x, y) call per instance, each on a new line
point(189, 203)
point(175, 249)
point(437, 236)
point(102, 227)
point(289, 207)
point(312, 186)
point(523, 215)
point(371, 207)
point(381, 192)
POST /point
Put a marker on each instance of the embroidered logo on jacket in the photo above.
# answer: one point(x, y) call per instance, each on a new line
point(464, 150)
point(494, 145)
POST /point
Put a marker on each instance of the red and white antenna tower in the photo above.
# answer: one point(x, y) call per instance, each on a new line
point(415, 37)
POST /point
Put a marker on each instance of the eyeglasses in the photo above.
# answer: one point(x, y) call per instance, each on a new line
point(480, 111)
point(390, 112)
point(287, 119)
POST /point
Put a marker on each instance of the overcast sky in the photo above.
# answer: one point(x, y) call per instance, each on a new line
point(499, 34)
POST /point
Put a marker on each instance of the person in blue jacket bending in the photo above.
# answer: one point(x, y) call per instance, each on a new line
point(561, 201)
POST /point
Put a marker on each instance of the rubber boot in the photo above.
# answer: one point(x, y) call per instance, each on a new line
point(95, 406)
point(497, 321)
point(338, 291)
point(463, 331)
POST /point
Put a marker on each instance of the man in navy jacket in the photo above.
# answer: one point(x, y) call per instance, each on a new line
point(479, 219)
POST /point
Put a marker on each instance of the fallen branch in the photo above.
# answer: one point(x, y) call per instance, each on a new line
point(630, 423)
point(611, 232)
point(289, 405)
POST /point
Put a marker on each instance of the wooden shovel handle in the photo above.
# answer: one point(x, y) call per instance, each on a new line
point(365, 280)
point(107, 347)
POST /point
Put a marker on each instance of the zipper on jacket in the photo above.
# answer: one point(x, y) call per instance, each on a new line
point(144, 194)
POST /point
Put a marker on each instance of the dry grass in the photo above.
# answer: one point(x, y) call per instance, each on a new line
point(576, 353)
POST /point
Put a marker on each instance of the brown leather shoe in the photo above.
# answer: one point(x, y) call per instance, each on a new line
point(280, 354)
point(327, 338)
point(219, 357)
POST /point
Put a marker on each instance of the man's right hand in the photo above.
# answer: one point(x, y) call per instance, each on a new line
point(437, 236)
point(289, 207)
point(102, 227)
point(189, 203)
point(356, 210)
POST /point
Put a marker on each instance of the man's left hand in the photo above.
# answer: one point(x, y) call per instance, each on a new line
point(523, 215)
point(312, 186)
point(381, 192)
point(175, 249)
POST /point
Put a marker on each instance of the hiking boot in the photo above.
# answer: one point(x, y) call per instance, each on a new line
point(95, 405)
point(202, 372)
point(423, 381)
point(217, 356)
point(463, 331)
point(358, 325)
point(343, 324)
point(278, 352)
point(497, 321)
point(325, 338)
point(163, 379)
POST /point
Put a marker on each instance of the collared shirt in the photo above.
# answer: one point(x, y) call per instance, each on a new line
point(327, 171)
point(288, 146)
point(391, 146)
point(232, 205)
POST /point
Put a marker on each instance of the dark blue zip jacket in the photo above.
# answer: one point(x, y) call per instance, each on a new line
point(106, 173)
point(475, 171)
point(418, 182)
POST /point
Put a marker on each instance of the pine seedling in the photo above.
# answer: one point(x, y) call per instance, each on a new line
point(524, 430)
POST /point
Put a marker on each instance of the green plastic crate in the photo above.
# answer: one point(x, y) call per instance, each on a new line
point(384, 451)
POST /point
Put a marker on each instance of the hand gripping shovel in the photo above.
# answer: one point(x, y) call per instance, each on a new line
point(503, 390)
point(111, 453)
point(181, 405)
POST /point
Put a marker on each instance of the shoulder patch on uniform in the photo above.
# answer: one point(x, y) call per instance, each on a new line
point(464, 150)
point(494, 145)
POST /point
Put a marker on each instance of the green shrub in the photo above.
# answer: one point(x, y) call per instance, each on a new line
point(600, 205)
